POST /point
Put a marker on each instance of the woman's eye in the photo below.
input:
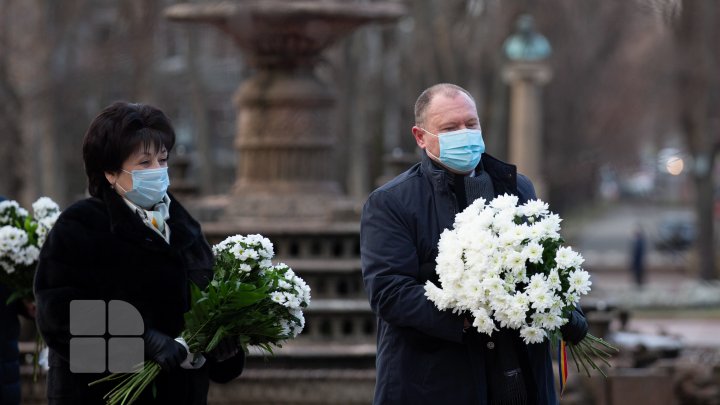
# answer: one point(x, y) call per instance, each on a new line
point(164, 160)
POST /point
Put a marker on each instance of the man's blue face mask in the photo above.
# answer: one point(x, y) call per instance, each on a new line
point(149, 186)
point(460, 150)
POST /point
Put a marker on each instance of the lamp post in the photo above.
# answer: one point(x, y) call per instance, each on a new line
point(526, 72)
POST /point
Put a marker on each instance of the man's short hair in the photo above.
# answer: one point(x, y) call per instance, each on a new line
point(446, 89)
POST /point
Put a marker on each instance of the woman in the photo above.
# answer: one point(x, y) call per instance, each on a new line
point(131, 241)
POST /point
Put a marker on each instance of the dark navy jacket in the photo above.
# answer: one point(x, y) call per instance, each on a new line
point(423, 355)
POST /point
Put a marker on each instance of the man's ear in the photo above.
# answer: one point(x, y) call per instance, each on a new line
point(419, 135)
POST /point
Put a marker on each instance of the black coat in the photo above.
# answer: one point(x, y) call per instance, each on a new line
point(9, 355)
point(100, 249)
point(423, 355)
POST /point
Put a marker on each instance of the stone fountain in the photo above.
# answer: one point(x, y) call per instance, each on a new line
point(286, 189)
point(285, 137)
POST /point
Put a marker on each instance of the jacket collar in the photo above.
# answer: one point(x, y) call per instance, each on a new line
point(503, 175)
point(125, 222)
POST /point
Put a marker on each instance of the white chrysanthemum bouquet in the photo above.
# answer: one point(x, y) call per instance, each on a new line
point(249, 300)
point(21, 237)
point(505, 265)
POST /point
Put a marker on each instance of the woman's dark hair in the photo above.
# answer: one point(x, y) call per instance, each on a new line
point(116, 133)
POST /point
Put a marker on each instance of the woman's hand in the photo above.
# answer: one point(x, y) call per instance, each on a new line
point(30, 308)
point(227, 348)
point(163, 349)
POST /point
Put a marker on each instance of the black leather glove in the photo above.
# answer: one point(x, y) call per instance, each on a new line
point(227, 348)
point(163, 349)
point(575, 329)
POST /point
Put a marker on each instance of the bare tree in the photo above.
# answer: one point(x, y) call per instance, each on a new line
point(697, 51)
point(10, 137)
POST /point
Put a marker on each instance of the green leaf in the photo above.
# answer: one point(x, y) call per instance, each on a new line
point(216, 339)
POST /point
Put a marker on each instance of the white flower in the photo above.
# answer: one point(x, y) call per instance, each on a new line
point(278, 297)
point(12, 239)
point(536, 233)
point(550, 226)
point(520, 233)
point(514, 260)
point(537, 282)
point(567, 258)
point(533, 252)
point(9, 205)
point(553, 280)
point(532, 334)
point(437, 295)
point(541, 299)
point(44, 226)
point(503, 202)
point(552, 321)
point(493, 285)
point(572, 298)
point(579, 282)
point(8, 268)
point(285, 328)
point(502, 222)
point(534, 208)
point(299, 325)
point(516, 313)
point(244, 267)
point(44, 207)
point(483, 322)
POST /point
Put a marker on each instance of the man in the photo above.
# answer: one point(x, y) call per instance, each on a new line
point(427, 356)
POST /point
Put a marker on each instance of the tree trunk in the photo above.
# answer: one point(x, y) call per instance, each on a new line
point(696, 81)
point(704, 206)
point(10, 181)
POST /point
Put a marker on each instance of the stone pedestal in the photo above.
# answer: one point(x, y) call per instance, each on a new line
point(285, 138)
point(285, 143)
point(526, 79)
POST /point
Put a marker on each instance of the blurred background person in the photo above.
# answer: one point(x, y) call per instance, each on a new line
point(637, 256)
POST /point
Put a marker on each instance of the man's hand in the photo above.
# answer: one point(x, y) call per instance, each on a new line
point(575, 329)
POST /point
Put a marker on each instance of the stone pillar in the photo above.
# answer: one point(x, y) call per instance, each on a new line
point(525, 144)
